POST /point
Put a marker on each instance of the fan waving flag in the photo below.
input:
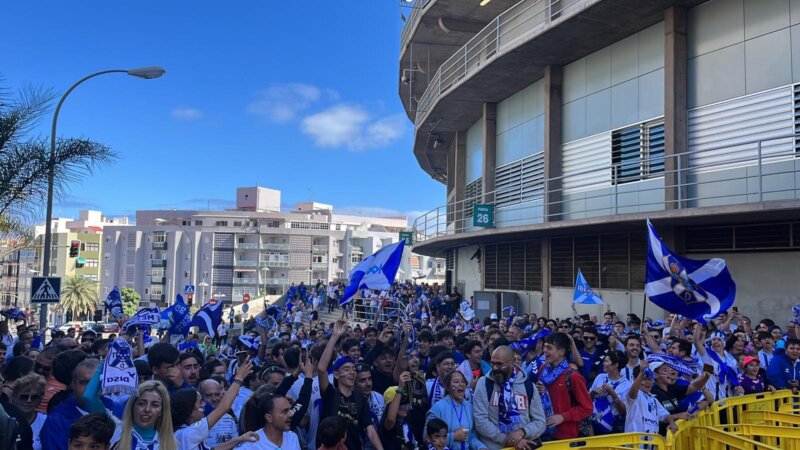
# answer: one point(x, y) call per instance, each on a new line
point(176, 318)
point(584, 293)
point(15, 314)
point(143, 317)
point(699, 289)
point(113, 303)
point(208, 318)
point(375, 272)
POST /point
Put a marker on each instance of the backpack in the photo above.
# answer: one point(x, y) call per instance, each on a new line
point(489, 384)
point(585, 428)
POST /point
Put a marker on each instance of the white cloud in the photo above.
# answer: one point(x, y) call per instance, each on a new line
point(184, 113)
point(352, 127)
point(281, 103)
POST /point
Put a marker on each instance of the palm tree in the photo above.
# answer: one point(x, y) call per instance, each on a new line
point(78, 295)
point(24, 162)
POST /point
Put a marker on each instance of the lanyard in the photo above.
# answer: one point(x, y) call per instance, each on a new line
point(459, 416)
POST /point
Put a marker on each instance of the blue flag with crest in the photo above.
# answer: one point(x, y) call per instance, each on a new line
point(208, 318)
point(176, 318)
point(377, 271)
point(697, 288)
point(584, 293)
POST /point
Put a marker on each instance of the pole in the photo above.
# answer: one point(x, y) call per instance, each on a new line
point(644, 306)
point(51, 174)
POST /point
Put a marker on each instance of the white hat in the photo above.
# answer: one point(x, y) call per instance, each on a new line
point(656, 365)
point(493, 316)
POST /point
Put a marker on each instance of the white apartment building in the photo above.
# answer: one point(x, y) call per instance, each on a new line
point(251, 249)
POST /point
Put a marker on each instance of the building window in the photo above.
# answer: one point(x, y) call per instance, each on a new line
point(356, 258)
point(237, 223)
point(637, 152)
point(91, 263)
point(613, 261)
point(472, 196)
point(92, 247)
point(513, 266)
point(160, 237)
point(198, 223)
point(221, 223)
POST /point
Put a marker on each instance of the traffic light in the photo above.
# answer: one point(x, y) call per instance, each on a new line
point(74, 249)
point(189, 298)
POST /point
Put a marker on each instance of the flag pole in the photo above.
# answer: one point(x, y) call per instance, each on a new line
point(644, 306)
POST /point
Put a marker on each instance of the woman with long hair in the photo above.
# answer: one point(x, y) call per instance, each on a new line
point(146, 421)
point(276, 411)
point(28, 392)
point(456, 411)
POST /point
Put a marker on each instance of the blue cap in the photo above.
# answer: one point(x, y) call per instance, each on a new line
point(342, 360)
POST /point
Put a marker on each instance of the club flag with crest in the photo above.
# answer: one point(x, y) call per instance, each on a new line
point(14, 314)
point(700, 289)
point(143, 317)
point(208, 318)
point(114, 303)
point(176, 318)
point(377, 271)
point(584, 293)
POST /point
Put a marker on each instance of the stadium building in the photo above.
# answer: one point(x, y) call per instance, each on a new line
point(559, 126)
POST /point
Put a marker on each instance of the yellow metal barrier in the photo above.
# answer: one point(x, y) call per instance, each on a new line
point(707, 438)
point(730, 410)
point(780, 437)
point(771, 418)
point(611, 442)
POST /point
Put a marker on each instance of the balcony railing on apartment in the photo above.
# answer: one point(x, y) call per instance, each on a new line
point(159, 245)
point(238, 281)
point(271, 246)
point(501, 35)
point(319, 248)
point(245, 263)
point(157, 297)
point(275, 281)
point(274, 263)
point(356, 249)
point(158, 263)
point(158, 280)
point(737, 173)
point(246, 245)
point(319, 265)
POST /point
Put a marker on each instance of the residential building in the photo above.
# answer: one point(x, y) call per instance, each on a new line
point(571, 122)
point(18, 266)
point(252, 249)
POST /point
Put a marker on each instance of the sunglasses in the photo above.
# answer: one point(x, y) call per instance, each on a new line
point(30, 397)
point(589, 338)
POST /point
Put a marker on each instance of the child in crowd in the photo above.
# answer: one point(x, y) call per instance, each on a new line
point(437, 434)
point(91, 432)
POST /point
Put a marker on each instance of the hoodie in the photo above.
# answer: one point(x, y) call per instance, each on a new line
point(781, 370)
point(487, 422)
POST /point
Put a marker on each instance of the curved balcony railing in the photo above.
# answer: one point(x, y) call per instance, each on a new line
point(411, 22)
point(499, 36)
point(752, 172)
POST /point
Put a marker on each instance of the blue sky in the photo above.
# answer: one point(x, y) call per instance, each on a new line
point(297, 95)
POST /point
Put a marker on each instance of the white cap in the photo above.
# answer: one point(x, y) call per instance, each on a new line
point(493, 316)
point(656, 365)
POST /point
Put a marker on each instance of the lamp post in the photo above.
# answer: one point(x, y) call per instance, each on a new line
point(146, 73)
point(203, 285)
point(264, 272)
point(191, 250)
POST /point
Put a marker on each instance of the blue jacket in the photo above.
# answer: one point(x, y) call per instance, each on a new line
point(446, 410)
point(55, 431)
point(781, 370)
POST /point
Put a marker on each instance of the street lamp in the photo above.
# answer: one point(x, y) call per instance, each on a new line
point(203, 285)
point(147, 73)
point(265, 271)
point(191, 250)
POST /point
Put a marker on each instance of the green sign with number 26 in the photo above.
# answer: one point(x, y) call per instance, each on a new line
point(483, 216)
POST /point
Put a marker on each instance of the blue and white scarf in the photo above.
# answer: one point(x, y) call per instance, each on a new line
point(138, 443)
point(603, 416)
point(548, 376)
point(507, 407)
point(726, 375)
point(145, 316)
point(605, 328)
point(114, 303)
point(119, 373)
point(678, 364)
point(796, 313)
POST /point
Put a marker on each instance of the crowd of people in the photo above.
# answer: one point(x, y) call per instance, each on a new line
point(429, 376)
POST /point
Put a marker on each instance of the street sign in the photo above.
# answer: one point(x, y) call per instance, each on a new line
point(188, 289)
point(45, 289)
point(245, 308)
point(407, 236)
point(483, 216)
point(245, 297)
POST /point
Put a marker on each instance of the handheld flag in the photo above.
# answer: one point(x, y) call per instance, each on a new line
point(176, 318)
point(208, 318)
point(14, 314)
point(377, 271)
point(584, 293)
point(114, 303)
point(119, 373)
point(143, 317)
point(699, 289)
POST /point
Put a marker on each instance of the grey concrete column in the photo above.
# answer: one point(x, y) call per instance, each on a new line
point(451, 170)
point(489, 150)
point(546, 277)
point(460, 151)
point(675, 112)
point(553, 81)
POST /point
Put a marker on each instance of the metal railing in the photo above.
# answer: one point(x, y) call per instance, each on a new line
point(412, 20)
point(245, 281)
point(270, 246)
point(275, 281)
point(158, 263)
point(245, 263)
point(500, 35)
point(364, 312)
point(319, 248)
point(246, 245)
point(274, 263)
point(749, 172)
point(319, 265)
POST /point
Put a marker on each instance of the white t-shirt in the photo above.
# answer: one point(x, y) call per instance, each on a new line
point(223, 431)
point(240, 400)
point(290, 442)
point(191, 437)
point(644, 414)
point(36, 426)
point(621, 387)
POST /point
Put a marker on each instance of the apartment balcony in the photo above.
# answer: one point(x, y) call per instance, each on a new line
point(271, 246)
point(246, 245)
point(159, 245)
point(275, 281)
point(157, 297)
point(319, 265)
point(158, 263)
point(245, 263)
point(274, 263)
point(356, 249)
point(320, 248)
point(158, 280)
point(244, 281)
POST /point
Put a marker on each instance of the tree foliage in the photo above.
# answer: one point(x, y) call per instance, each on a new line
point(24, 162)
point(130, 301)
point(78, 295)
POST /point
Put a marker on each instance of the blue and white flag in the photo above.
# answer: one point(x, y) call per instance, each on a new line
point(699, 289)
point(119, 373)
point(176, 318)
point(377, 271)
point(143, 317)
point(584, 293)
point(114, 303)
point(15, 314)
point(208, 318)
